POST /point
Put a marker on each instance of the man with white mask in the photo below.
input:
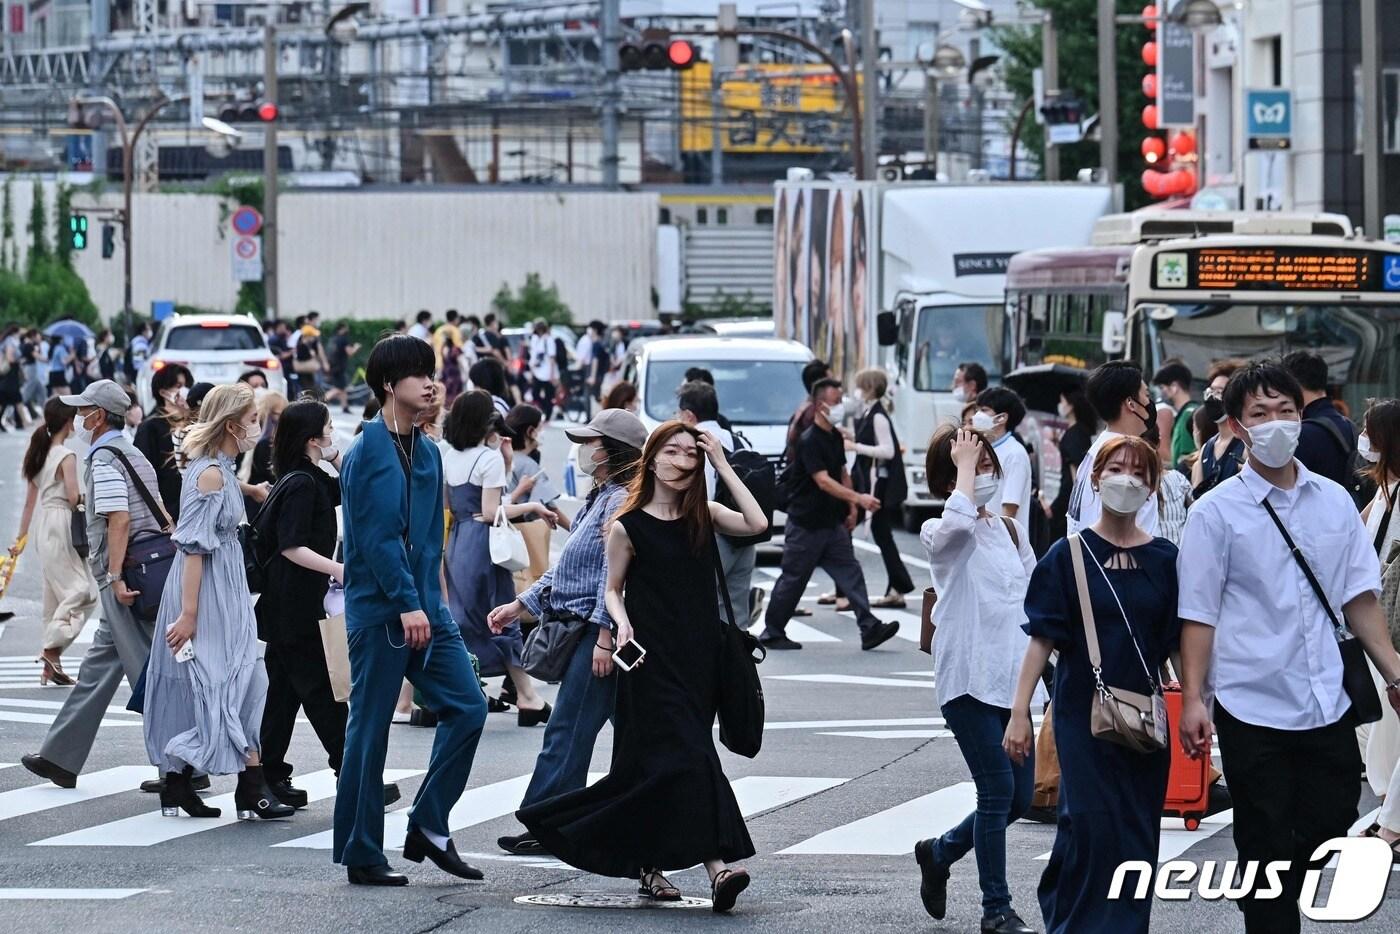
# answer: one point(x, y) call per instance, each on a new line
point(1119, 395)
point(1262, 636)
point(969, 379)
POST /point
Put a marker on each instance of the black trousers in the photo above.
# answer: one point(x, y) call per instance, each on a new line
point(297, 679)
point(543, 391)
point(805, 550)
point(1293, 790)
point(882, 531)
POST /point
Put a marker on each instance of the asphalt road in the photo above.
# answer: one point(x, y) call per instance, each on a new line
point(856, 766)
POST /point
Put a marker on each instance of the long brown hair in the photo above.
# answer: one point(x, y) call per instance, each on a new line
point(1382, 424)
point(695, 501)
point(56, 416)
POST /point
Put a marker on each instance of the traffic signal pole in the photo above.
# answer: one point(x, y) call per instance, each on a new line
point(610, 11)
point(269, 212)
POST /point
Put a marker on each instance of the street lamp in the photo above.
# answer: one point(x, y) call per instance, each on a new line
point(1196, 15)
point(943, 63)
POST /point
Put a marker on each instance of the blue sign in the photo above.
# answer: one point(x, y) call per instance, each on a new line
point(160, 310)
point(1390, 274)
point(1269, 113)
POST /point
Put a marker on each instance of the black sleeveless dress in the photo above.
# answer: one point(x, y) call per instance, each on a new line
point(666, 803)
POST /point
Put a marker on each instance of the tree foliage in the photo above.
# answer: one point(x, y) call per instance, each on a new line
point(48, 289)
point(1076, 22)
point(531, 302)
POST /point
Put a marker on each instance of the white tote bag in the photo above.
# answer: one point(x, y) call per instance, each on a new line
point(508, 549)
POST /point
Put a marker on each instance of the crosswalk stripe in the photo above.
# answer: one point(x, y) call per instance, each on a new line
point(862, 545)
point(894, 734)
point(68, 894)
point(50, 705)
point(855, 679)
point(908, 623)
point(759, 793)
point(151, 828)
point(799, 631)
point(36, 798)
point(895, 830)
point(1175, 841)
point(17, 716)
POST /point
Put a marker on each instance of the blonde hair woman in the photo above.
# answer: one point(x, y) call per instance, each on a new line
point(205, 685)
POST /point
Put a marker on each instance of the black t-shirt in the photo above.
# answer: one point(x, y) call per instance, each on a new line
point(155, 440)
point(304, 516)
point(403, 446)
point(340, 353)
point(809, 506)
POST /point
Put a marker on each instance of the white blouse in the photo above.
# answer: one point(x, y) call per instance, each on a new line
point(480, 465)
point(1377, 516)
point(980, 577)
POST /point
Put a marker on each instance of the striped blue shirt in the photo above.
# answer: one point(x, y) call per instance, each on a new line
point(577, 582)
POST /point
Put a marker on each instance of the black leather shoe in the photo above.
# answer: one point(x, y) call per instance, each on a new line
point(933, 886)
point(416, 846)
point(779, 643)
point(289, 794)
point(45, 769)
point(252, 799)
point(1042, 815)
point(524, 844)
point(525, 717)
point(155, 786)
point(375, 875)
point(878, 635)
point(421, 716)
point(1009, 923)
point(391, 793)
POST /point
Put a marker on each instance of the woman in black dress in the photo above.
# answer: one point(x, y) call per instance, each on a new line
point(1074, 443)
point(879, 470)
point(665, 804)
point(170, 388)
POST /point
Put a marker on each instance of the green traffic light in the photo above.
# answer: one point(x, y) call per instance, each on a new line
point(78, 231)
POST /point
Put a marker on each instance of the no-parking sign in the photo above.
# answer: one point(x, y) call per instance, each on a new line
point(246, 221)
point(246, 254)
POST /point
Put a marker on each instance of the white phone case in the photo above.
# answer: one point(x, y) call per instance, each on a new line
point(617, 660)
point(186, 652)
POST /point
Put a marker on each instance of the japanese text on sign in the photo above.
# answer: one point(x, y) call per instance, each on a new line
point(1282, 269)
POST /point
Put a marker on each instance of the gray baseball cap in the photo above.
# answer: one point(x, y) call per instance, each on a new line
point(618, 424)
point(104, 394)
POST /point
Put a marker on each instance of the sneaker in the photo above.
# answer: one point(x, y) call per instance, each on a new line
point(933, 885)
point(1008, 923)
point(778, 643)
point(878, 635)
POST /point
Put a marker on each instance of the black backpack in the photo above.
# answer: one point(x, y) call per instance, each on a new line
point(757, 473)
point(259, 538)
point(1356, 482)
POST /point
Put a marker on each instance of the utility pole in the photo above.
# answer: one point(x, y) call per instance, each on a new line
point(869, 91)
point(101, 27)
point(269, 228)
point(1050, 79)
point(726, 59)
point(931, 116)
point(1108, 91)
point(610, 11)
point(1372, 100)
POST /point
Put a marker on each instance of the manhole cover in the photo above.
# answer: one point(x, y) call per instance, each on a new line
point(565, 900)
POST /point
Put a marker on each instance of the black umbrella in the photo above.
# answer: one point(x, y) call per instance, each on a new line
point(1041, 386)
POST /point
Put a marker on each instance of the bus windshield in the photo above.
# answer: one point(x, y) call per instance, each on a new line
point(1360, 342)
point(944, 337)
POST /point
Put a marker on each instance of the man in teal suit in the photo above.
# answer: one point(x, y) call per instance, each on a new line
point(398, 625)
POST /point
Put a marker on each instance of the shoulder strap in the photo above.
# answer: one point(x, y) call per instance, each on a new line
point(719, 581)
point(1307, 571)
point(1086, 606)
point(1333, 431)
point(1393, 492)
point(1011, 529)
point(157, 511)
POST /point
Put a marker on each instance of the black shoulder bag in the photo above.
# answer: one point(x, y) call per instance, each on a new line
point(1356, 675)
point(550, 646)
point(740, 690)
point(149, 555)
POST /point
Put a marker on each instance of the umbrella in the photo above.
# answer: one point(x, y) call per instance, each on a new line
point(69, 330)
point(1041, 385)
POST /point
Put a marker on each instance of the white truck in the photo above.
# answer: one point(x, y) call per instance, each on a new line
point(909, 276)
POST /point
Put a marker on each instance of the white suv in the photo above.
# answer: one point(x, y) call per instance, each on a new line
point(216, 349)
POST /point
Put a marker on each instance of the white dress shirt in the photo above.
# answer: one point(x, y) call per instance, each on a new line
point(726, 441)
point(1015, 475)
point(1276, 662)
point(980, 577)
point(1085, 505)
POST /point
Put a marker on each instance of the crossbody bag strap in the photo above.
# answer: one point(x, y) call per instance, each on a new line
point(157, 511)
point(1010, 524)
point(719, 581)
point(1394, 491)
point(1307, 571)
point(1086, 606)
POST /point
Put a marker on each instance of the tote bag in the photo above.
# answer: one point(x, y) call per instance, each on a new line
point(508, 548)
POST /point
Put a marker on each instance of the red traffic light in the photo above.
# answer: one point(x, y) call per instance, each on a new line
point(681, 54)
point(267, 111)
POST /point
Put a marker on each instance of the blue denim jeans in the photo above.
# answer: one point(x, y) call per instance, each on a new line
point(584, 704)
point(1003, 793)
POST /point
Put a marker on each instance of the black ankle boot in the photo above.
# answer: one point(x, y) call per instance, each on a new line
point(177, 794)
point(252, 798)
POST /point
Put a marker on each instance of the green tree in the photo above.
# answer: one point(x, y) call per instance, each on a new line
point(38, 229)
point(7, 227)
point(63, 248)
point(1076, 22)
point(533, 301)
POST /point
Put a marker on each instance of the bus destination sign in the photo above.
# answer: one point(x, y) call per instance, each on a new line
point(1277, 269)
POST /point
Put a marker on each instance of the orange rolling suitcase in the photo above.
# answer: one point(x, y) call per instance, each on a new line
point(1188, 783)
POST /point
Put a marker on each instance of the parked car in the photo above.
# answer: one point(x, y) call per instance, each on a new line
point(216, 349)
point(736, 327)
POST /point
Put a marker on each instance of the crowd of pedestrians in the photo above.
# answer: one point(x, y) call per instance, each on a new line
point(1226, 552)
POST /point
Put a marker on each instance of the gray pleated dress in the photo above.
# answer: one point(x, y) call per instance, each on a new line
point(207, 712)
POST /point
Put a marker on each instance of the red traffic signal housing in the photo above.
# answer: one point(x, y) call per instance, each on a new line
point(250, 112)
point(657, 53)
point(267, 111)
point(681, 54)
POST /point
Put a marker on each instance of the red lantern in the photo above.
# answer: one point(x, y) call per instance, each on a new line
point(1149, 54)
point(1187, 185)
point(1183, 145)
point(1153, 149)
point(1152, 183)
point(1149, 17)
point(1149, 116)
point(1149, 85)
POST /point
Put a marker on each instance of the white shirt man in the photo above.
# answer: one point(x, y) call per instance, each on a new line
point(543, 366)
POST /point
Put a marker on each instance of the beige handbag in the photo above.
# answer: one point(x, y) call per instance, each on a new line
point(337, 647)
point(1138, 721)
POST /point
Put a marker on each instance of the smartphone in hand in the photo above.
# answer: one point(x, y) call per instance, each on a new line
point(628, 654)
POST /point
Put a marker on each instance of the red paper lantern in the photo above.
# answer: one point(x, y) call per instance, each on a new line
point(1152, 183)
point(1149, 17)
point(1187, 185)
point(1149, 54)
point(1153, 149)
point(1149, 85)
point(1149, 116)
point(1183, 144)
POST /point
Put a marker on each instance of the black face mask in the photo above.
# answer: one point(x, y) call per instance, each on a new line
point(1149, 421)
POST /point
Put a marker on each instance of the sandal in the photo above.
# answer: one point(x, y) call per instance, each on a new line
point(801, 611)
point(843, 606)
point(827, 599)
point(890, 602)
point(725, 888)
point(1395, 852)
point(657, 887)
point(1372, 831)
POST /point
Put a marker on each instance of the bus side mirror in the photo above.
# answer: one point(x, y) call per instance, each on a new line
point(887, 329)
point(1114, 338)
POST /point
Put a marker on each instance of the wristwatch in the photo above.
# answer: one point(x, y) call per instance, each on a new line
point(1394, 685)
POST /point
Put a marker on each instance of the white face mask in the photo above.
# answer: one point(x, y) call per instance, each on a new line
point(959, 394)
point(247, 438)
point(1363, 447)
point(258, 393)
point(326, 445)
point(80, 431)
point(858, 394)
point(1273, 443)
point(984, 488)
point(983, 422)
point(1123, 494)
point(836, 414)
point(586, 464)
point(1065, 409)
